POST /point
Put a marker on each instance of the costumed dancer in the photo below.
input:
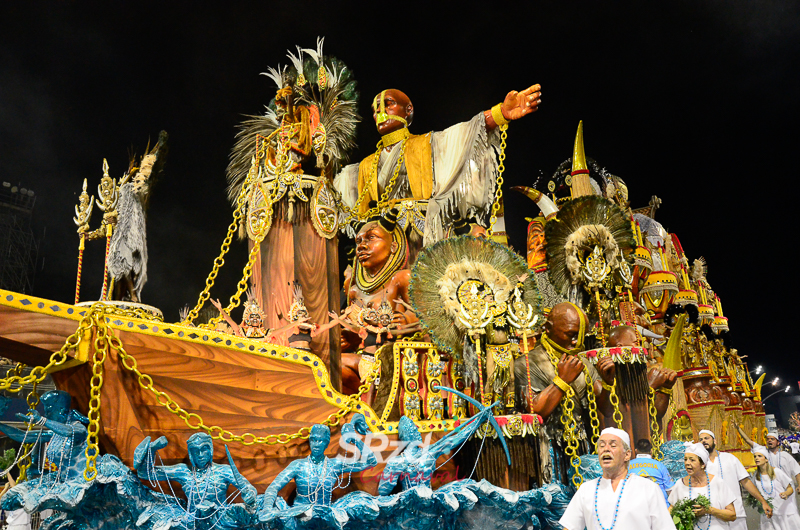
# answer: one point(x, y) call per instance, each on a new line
point(732, 472)
point(298, 319)
point(777, 486)
point(700, 482)
point(618, 500)
point(402, 170)
point(777, 458)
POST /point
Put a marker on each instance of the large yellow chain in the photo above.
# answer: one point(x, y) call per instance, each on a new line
point(612, 397)
point(594, 420)
point(25, 461)
point(500, 169)
point(219, 261)
point(655, 431)
point(569, 423)
point(194, 420)
point(101, 343)
point(15, 382)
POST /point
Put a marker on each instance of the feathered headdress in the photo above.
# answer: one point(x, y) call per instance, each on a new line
point(445, 266)
point(579, 226)
point(315, 81)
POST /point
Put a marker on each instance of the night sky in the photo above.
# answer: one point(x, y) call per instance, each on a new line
point(692, 101)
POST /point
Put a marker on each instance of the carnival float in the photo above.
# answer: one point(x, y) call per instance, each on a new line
point(507, 365)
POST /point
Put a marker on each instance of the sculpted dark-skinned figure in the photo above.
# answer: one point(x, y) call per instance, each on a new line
point(555, 370)
point(636, 415)
point(376, 297)
point(433, 178)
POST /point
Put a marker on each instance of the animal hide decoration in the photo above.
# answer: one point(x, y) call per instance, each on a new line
point(127, 254)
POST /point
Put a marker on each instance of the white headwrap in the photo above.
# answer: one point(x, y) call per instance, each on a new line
point(774, 435)
point(710, 433)
point(619, 433)
point(699, 450)
point(762, 450)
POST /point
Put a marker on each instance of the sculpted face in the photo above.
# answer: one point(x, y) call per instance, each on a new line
point(395, 103)
point(318, 442)
point(201, 453)
point(374, 245)
point(563, 326)
point(623, 336)
point(612, 453)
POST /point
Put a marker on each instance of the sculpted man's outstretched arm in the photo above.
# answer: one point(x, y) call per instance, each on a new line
point(515, 106)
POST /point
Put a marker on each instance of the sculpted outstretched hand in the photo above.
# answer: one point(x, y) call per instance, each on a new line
point(607, 370)
point(519, 104)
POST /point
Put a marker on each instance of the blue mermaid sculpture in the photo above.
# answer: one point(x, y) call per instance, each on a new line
point(205, 486)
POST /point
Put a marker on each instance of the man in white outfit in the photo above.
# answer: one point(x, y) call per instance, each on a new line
point(732, 472)
point(618, 500)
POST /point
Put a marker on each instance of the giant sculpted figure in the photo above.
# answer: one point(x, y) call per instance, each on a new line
point(554, 373)
point(436, 177)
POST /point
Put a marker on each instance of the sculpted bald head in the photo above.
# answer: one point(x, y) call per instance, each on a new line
point(390, 105)
point(563, 325)
point(623, 336)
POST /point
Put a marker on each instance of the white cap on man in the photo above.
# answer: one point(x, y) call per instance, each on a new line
point(619, 433)
point(710, 433)
point(774, 435)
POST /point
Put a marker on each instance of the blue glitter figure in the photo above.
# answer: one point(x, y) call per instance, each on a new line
point(316, 476)
point(205, 485)
point(65, 457)
point(416, 464)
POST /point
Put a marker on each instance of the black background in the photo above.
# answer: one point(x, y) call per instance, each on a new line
point(695, 102)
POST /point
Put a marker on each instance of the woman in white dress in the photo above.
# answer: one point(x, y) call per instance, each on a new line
point(699, 482)
point(775, 484)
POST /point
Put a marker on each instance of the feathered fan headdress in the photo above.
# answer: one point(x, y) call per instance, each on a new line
point(579, 226)
point(443, 267)
point(316, 81)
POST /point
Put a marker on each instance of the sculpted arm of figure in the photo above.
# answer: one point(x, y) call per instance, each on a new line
point(19, 435)
point(277, 332)
point(236, 329)
point(77, 429)
point(544, 403)
point(390, 476)
point(659, 378)
point(607, 371)
point(516, 105)
point(344, 322)
point(367, 460)
point(283, 478)
point(456, 437)
point(402, 280)
point(748, 485)
point(233, 477)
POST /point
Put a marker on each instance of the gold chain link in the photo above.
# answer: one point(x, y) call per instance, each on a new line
point(500, 169)
point(615, 402)
point(593, 418)
point(352, 213)
point(568, 421)
point(101, 343)
point(655, 431)
point(25, 461)
point(194, 420)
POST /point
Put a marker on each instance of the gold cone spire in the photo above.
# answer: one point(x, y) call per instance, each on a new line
point(578, 155)
point(581, 185)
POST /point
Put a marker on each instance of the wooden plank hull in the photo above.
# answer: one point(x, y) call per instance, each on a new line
point(240, 385)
